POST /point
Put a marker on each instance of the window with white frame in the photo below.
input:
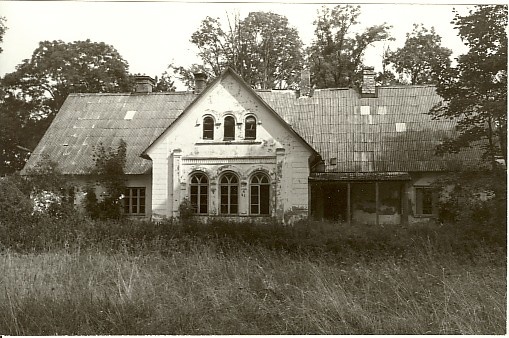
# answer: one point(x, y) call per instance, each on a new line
point(259, 194)
point(229, 194)
point(250, 128)
point(134, 201)
point(199, 193)
point(208, 128)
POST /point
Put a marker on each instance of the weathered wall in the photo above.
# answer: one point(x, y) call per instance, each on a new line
point(276, 151)
point(419, 180)
point(134, 181)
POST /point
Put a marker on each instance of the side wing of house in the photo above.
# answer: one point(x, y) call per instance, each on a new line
point(87, 121)
point(231, 156)
point(378, 151)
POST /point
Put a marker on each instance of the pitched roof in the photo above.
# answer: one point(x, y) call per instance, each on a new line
point(389, 133)
point(230, 71)
point(85, 120)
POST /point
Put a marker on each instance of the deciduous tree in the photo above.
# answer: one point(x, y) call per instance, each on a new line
point(34, 92)
point(475, 91)
point(263, 49)
point(164, 83)
point(335, 56)
point(422, 57)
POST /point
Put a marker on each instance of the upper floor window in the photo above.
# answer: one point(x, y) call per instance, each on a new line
point(199, 193)
point(250, 124)
point(208, 128)
point(229, 194)
point(259, 194)
point(229, 128)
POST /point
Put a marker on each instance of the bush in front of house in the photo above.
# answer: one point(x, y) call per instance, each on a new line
point(312, 239)
point(476, 201)
point(13, 202)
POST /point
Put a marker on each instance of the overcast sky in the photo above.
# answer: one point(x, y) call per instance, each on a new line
point(151, 35)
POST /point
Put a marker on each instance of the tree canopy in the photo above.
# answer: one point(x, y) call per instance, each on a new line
point(422, 57)
point(475, 91)
point(36, 90)
point(262, 48)
point(335, 56)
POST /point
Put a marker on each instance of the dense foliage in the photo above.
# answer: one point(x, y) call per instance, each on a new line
point(34, 93)
point(471, 197)
point(422, 57)
point(335, 56)
point(109, 174)
point(475, 91)
point(262, 48)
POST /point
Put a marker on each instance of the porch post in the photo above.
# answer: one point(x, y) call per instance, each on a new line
point(176, 188)
point(404, 203)
point(348, 204)
point(377, 203)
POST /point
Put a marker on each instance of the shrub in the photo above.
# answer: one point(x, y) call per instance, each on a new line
point(13, 203)
point(109, 172)
point(474, 198)
point(186, 211)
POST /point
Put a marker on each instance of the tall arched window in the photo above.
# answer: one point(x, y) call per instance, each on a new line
point(229, 194)
point(229, 128)
point(250, 124)
point(208, 128)
point(259, 194)
point(199, 193)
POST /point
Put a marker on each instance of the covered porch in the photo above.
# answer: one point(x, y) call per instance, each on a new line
point(362, 198)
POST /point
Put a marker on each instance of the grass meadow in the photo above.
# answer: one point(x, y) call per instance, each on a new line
point(78, 277)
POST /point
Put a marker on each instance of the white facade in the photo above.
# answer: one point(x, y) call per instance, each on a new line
point(275, 153)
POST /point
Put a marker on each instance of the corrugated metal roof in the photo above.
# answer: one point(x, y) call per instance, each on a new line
point(390, 133)
point(85, 120)
point(393, 135)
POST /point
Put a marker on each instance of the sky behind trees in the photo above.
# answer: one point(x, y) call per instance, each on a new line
point(151, 35)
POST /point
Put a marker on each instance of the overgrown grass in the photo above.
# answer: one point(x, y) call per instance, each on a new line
point(79, 277)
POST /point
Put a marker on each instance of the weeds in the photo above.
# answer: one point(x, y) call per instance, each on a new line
point(74, 276)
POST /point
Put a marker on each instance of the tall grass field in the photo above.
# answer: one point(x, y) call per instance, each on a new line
point(72, 276)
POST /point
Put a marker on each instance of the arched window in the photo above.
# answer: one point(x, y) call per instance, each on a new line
point(259, 194)
point(229, 194)
point(250, 124)
point(199, 193)
point(229, 128)
point(208, 128)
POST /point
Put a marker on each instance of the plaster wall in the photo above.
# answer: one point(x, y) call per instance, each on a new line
point(133, 181)
point(424, 179)
point(276, 151)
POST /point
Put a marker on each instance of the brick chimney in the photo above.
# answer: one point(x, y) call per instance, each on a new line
point(144, 84)
point(200, 81)
point(368, 87)
point(305, 83)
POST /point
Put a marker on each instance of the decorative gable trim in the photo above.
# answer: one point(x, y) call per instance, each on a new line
point(250, 90)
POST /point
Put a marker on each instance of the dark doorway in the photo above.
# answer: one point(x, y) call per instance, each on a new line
point(335, 200)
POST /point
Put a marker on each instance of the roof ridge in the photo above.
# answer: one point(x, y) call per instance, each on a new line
point(132, 94)
point(409, 86)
